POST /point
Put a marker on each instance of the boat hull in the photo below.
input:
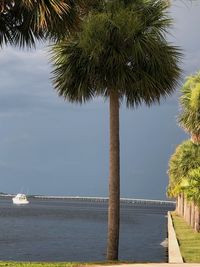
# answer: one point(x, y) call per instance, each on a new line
point(20, 201)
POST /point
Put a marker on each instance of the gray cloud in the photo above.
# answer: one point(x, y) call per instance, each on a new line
point(53, 147)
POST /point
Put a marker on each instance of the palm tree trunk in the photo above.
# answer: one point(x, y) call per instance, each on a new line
point(177, 204)
point(185, 209)
point(195, 138)
point(114, 180)
point(192, 219)
point(197, 219)
point(189, 213)
point(182, 204)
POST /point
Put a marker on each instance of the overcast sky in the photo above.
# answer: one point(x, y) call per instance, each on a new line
point(48, 146)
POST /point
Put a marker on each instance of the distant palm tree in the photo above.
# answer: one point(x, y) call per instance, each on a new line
point(23, 22)
point(121, 53)
point(192, 194)
point(185, 162)
point(183, 173)
point(189, 117)
point(185, 158)
point(193, 185)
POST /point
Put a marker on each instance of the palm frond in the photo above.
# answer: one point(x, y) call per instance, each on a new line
point(24, 22)
point(189, 118)
point(185, 159)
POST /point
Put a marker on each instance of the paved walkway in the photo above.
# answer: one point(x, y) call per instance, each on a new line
point(155, 265)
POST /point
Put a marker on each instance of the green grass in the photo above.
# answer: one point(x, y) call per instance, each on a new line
point(56, 264)
point(188, 239)
point(35, 264)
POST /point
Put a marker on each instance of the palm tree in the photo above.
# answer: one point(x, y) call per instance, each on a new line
point(185, 158)
point(121, 53)
point(189, 117)
point(192, 193)
point(182, 165)
point(193, 187)
point(189, 120)
point(23, 22)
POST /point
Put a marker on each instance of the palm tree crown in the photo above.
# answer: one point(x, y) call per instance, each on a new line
point(185, 158)
point(189, 117)
point(193, 187)
point(123, 48)
point(22, 22)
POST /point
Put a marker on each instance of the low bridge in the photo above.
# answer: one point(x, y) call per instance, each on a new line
point(148, 202)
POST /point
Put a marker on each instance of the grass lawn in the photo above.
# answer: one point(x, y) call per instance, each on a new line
point(189, 240)
point(54, 264)
point(35, 264)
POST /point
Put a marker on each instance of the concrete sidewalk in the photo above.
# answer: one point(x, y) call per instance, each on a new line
point(153, 265)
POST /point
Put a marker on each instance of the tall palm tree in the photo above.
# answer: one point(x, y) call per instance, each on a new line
point(189, 120)
point(187, 156)
point(121, 53)
point(189, 117)
point(23, 22)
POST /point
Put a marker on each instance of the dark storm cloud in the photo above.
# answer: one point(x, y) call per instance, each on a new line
point(185, 32)
point(53, 147)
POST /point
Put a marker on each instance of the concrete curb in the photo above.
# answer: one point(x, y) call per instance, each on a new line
point(174, 254)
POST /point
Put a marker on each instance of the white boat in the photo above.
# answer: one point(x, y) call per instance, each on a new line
point(20, 199)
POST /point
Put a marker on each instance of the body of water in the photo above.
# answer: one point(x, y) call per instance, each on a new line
point(74, 230)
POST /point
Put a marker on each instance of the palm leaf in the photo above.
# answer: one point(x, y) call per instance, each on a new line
point(24, 22)
point(189, 118)
point(185, 158)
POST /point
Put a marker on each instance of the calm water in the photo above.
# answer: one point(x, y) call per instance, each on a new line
point(66, 230)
